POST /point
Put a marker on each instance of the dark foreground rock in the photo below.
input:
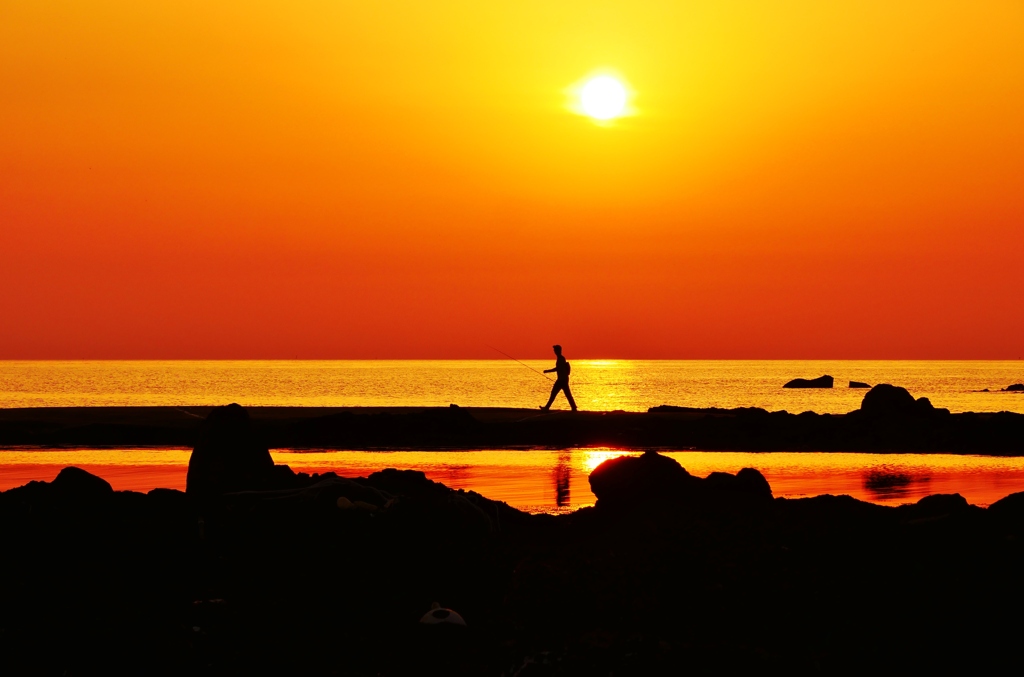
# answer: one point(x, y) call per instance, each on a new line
point(670, 573)
point(636, 482)
point(229, 456)
point(825, 381)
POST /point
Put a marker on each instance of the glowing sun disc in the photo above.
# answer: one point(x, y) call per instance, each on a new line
point(603, 98)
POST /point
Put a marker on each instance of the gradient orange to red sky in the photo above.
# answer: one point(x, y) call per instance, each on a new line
point(324, 179)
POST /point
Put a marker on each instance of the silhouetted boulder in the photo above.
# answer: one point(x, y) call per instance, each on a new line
point(748, 482)
point(457, 512)
point(825, 381)
point(627, 480)
point(939, 505)
point(859, 384)
point(1015, 388)
point(326, 492)
point(77, 484)
point(754, 482)
point(228, 457)
point(890, 400)
point(1011, 507)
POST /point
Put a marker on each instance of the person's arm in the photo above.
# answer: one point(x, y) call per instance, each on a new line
point(548, 371)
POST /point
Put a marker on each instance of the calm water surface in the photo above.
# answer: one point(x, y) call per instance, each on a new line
point(631, 385)
point(556, 481)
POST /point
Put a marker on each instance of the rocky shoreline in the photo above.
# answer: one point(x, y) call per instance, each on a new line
point(889, 420)
point(257, 569)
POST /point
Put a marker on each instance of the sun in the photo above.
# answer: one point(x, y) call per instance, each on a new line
point(603, 98)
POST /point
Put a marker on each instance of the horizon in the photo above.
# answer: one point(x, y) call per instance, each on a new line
point(498, 359)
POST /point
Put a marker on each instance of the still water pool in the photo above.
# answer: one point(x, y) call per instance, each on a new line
point(556, 481)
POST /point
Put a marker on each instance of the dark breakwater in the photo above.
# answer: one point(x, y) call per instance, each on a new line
point(465, 428)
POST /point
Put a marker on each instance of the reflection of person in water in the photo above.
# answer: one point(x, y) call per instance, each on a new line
point(561, 370)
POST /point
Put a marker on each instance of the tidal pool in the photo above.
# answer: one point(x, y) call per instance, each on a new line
point(556, 481)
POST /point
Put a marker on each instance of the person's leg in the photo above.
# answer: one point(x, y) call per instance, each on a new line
point(554, 391)
point(568, 396)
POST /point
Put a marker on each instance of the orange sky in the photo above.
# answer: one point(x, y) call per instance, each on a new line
point(801, 179)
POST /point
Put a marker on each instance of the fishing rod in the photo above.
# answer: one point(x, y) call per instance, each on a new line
point(522, 363)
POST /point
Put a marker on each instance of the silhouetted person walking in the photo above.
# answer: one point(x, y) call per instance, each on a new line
point(561, 370)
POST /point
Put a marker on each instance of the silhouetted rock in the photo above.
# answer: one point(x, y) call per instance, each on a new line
point(627, 480)
point(939, 505)
point(77, 484)
point(754, 482)
point(1015, 388)
point(462, 512)
point(327, 492)
point(825, 381)
point(890, 400)
point(859, 384)
point(1011, 506)
point(228, 457)
point(748, 481)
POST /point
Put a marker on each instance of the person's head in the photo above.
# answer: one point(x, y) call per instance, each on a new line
point(558, 349)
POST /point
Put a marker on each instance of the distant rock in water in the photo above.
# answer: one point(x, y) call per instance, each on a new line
point(889, 400)
point(228, 456)
point(1015, 388)
point(859, 384)
point(825, 381)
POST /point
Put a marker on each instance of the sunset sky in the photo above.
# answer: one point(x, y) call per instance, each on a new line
point(329, 179)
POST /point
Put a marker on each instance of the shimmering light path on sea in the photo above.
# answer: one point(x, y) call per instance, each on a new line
point(556, 481)
point(598, 385)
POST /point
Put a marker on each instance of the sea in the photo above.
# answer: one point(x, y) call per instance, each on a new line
point(549, 481)
point(598, 385)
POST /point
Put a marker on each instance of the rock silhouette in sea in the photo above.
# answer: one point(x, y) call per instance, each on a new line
point(1015, 388)
point(629, 481)
point(228, 457)
point(825, 381)
point(859, 384)
point(889, 400)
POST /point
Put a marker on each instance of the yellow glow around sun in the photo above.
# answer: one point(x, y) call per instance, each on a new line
point(601, 97)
